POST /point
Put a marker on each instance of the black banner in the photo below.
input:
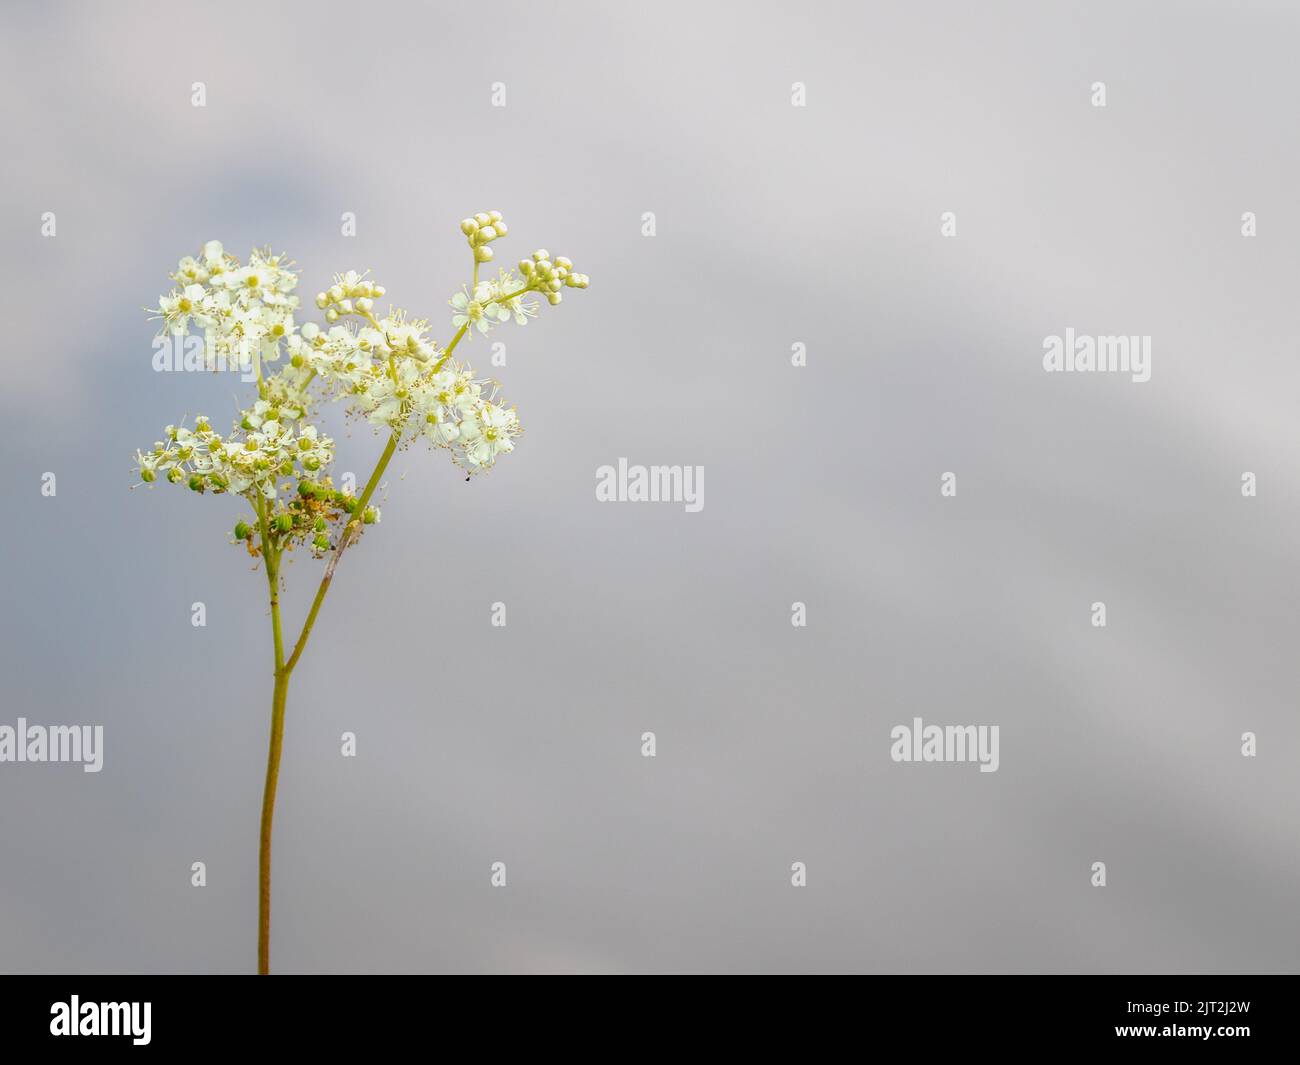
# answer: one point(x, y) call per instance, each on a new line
point(1213, 1014)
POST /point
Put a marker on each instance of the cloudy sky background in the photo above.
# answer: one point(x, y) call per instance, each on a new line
point(775, 225)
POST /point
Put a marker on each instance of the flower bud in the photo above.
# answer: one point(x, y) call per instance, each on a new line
point(365, 304)
point(336, 293)
point(487, 233)
point(468, 226)
point(331, 315)
point(322, 300)
point(495, 216)
point(483, 220)
point(483, 253)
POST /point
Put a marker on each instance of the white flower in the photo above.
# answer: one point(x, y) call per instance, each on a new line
point(407, 338)
point(470, 312)
point(439, 427)
point(509, 298)
point(389, 398)
point(190, 272)
point(178, 308)
point(486, 432)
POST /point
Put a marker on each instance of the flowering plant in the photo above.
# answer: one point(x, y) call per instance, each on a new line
point(386, 370)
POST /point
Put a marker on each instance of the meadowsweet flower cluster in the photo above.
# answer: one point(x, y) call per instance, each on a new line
point(244, 311)
point(387, 370)
point(249, 461)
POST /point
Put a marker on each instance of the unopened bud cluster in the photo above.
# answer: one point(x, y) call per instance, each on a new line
point(548, 277)
point(482, 230)
point(350, 294)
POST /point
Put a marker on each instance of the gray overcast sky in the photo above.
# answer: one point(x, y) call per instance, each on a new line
point(775, 225)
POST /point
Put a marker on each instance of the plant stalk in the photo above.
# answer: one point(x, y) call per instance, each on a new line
point(284, 668)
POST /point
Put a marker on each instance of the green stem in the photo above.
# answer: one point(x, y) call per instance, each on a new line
point(349, 534)
point(268, 815)
point(284, 668)
point(271, 557)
